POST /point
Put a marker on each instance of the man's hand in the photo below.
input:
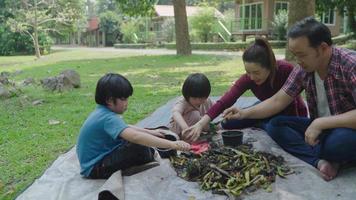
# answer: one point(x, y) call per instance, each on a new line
point(312, 133)
point(192, 133)
point(233, 113)
point(180, 145)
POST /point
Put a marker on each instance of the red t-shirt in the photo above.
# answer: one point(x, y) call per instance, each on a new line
point(262, 92)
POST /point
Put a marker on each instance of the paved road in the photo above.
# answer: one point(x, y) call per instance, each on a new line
point(151, 51)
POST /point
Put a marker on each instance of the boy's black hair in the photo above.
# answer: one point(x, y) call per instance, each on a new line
point(315, 31)
point(113, 86)
point(196, 85)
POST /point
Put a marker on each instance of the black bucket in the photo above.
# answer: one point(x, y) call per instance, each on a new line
point(166, 153)
point(232, 138)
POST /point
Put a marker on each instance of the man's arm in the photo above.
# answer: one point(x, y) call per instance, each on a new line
point(344, 120)
point(267, 108)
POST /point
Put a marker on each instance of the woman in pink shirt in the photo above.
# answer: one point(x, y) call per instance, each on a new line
point(264, 77)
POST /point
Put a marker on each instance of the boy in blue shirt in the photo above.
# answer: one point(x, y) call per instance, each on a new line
point(106, 143)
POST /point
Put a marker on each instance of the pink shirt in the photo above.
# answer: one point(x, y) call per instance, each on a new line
point(190, 114)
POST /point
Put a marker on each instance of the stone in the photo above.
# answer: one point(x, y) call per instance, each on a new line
point(4, 93)
point(37, 102)
point(28, 81)
point(4, 80)
point(64, 81)
point(53, 122)
point(50, 83)
point(5, 74)
point(17, 72)
point(73, 77)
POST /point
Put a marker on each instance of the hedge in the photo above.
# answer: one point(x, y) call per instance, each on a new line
point(341, 39)
point(232, 46)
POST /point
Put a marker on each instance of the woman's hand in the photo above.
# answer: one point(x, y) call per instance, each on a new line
point(180, 145)
point(233, 113)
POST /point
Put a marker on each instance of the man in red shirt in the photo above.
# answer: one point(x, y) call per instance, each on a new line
point(328, 76)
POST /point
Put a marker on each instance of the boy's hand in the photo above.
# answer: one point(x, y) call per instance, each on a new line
point(180, 145)
point(192, 133)
point(233, 113)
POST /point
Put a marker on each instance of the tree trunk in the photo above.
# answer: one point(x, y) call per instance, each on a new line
point(298, 10)
point(103, 38)
point(181, 25)
point(36, 44)
point(79, 39)
point(35, 37)
point(72, 36)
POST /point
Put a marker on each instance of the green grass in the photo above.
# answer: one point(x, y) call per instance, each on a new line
point(29, 144)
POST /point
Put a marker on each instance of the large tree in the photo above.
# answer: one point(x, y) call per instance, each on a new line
point(34, 17)
point(181, 26)
point(295, 13)
point(145, 8)
point(110, 18)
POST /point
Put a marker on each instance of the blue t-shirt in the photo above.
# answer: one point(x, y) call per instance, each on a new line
point(98, 137)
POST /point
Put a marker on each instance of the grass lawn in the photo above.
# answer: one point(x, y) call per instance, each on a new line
point(29, 144)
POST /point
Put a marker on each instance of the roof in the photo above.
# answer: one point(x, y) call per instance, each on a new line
point(168, 11)
point(93, 24)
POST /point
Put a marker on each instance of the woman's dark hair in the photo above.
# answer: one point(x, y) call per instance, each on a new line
point(196, 85)
point(261, 52)
point(315, 31)
point(112, 86)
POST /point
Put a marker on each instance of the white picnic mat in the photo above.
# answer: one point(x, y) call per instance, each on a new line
point(63, 181)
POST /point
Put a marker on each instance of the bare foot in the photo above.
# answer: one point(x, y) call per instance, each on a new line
point(328, 170)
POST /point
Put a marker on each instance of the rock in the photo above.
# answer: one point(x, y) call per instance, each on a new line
point(28, 81)
point(49, 83)
point(4, 93)
point(4, 80)
point(37, 102)
point(5, 74)
point(53, 122)
point(57, 83)
point(73, 77)
point(66, 80)
point(17, 72)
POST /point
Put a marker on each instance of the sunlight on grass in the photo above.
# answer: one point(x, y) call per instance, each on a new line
point(12, 63)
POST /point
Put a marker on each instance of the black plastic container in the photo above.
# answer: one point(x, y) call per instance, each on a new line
point(166, 153)
point(232, 138)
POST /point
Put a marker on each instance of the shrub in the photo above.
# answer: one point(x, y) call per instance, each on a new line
point(168, 29)
point(203, 24)
point(15, 43)
point(341, 39)
point(280, 24)
point(232, 46)
point(351, 45)
point(129, 30)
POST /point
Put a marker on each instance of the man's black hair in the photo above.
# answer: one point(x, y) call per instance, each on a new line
point(112, 86)
point(196, 85)
point(315, 31)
